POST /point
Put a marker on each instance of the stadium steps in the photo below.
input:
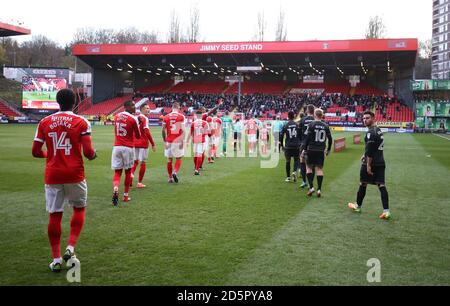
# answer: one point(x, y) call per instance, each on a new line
point(368, 90)
point(106, 107)
point(162, 87)
point(207, 87)
point(273, 88)
point(8, 110)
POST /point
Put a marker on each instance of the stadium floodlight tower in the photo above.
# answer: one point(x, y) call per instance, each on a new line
point(241, 70)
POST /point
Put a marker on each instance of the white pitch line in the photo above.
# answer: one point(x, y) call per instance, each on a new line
point(441, 136)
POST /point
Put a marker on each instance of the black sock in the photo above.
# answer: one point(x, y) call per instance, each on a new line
point(361, 194)
point(310, 180)
point(303, 171)
point(288, 168)
point(296, 164)
point(384, 197)
point(319, 181)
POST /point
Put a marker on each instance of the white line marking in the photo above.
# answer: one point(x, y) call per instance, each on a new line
point(441, 136)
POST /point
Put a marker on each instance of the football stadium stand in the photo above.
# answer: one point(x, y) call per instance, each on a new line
point(107, 107)
point(258, 88)
point(7, 110)
point(199, 87)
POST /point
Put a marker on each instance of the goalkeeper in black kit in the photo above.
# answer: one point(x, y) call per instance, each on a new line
point(373, 167)
point(314, 150)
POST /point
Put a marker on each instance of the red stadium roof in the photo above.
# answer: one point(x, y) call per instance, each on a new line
point(322, 46)
point(12, 30)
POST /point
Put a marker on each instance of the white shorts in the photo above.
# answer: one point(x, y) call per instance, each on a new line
point(199, 148)
point(58, 195)
point(215, 140)
point(141, 154)
point(173, 150)
point(251, 138)
point(122, 158)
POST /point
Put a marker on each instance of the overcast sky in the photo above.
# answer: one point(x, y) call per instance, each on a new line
point(230, 20)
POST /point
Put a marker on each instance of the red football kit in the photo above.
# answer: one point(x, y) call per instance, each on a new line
point(174, 123)
point(126, 129)
point(146, 136)
point(63, 133)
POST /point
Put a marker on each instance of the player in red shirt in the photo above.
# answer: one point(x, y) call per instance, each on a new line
point(141, 145)
point(126, 129)
point(173, 135)
point(217, 133)
point(251, 128)
point(264, 135)
point(64, 135)
point(206, 116)
point(199, 131)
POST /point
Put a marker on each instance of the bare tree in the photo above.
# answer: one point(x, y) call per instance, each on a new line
point(281, 30)
point(40, 51)
point(194, 24)
point(425, 49)
point(149, 37)
point(127, 36)
point(261, 27)
point(174, 28)
point(84, 36)
point(104, 36)
point(376, 28)
point(3, 58)
point(423, 60)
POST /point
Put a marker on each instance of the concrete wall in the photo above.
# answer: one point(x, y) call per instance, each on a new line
point(108, 84)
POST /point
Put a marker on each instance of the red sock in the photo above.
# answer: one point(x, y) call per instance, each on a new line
point(76, 224)
point(169, 168)
point(202, 160)
point(54, 233)
point(127, 180)
point(116, 180)
point(198, 163)
point(133, 170)
point(177, 165)
point(142, 171)
point(195, 162)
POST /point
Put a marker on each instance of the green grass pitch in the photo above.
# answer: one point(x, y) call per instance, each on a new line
point(237, 224)
point(34, 96)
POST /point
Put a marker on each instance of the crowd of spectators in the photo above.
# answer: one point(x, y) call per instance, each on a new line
point(264, 105)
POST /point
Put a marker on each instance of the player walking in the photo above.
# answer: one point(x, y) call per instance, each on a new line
point(291, 146)
point(304, 122)
point(126, 129)
point(264, 135)
point(216, 128)
point(373, 167)
point(199, 131)
point(64, 135)
point(141, 145)
point(173, 136)
point(251, 129)
point(227, 124)
point(316, 135)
